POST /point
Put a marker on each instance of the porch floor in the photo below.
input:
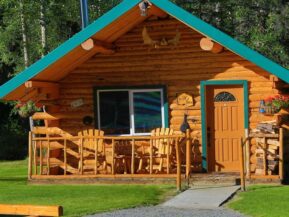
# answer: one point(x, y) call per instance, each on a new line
point(195, 179)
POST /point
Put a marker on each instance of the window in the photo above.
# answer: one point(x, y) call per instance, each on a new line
point(129, 111)
point(224, 97)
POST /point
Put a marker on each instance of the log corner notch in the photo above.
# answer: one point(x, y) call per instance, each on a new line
point(98, 46)
point(208, 45)
point(40, 90)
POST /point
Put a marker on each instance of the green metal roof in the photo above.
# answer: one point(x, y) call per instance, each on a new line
point(167, 6)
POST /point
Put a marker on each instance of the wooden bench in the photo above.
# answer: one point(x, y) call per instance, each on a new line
point(30, 210)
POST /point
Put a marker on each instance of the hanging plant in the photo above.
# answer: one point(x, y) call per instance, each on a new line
point(26, 109)
point(274, 104)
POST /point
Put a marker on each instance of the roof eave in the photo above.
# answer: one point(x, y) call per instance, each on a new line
point(66, 47)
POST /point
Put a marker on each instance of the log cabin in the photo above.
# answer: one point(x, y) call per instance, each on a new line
point(150, 90)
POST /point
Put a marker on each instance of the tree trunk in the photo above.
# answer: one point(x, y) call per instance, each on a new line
point(43, 27)
point(24, 34)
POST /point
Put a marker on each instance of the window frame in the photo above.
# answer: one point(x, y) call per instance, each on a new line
point(131, 90)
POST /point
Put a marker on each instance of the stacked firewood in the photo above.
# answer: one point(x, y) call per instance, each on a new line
point(267, 149)
point(267, 158)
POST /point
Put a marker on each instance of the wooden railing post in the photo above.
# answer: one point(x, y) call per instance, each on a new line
point(281, 153)
point(188, 155)
point(247, 155)
point(242, 169)
point(179, 178)
point(30, 155)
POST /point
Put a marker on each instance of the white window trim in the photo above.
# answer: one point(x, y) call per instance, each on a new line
point(131, 107)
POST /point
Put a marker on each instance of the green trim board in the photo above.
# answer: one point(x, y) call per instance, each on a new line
point(167, 6)
point(164, 97)
point(204, 84)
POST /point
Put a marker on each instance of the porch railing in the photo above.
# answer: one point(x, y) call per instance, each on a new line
point(118, 156)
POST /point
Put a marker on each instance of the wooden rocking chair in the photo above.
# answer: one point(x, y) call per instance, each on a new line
point(162, 150)
point(92, 152)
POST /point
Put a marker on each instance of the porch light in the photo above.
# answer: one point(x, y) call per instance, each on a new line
point(144, 5)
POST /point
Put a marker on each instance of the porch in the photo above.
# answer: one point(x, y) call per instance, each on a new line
point(56, 154)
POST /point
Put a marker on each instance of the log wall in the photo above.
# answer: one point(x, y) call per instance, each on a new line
point(180, 68)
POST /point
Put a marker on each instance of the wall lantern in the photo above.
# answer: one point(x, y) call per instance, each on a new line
point(144, 6)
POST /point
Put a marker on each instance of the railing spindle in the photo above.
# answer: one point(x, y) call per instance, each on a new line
point(48, 156)
point(168, 156)
point(30, 155)
point(35, 157)
point(132, 156)
point(81, 155)
point(151, 156)
point(281, 154)
point(65, 156)
point(95, 157)
point(113, 147)
point(40, 157)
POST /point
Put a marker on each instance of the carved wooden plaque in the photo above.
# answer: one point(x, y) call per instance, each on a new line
point(185, 99)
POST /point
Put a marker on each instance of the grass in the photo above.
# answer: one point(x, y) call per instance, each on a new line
point(263, 201)
point(77, 200)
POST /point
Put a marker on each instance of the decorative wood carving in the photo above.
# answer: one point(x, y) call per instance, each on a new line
point(158, 43)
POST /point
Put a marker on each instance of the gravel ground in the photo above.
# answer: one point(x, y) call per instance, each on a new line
point(158, 211)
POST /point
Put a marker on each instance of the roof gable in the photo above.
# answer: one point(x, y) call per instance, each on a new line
point(114, 14)
point(223, 39)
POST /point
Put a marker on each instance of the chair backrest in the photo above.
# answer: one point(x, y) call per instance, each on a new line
point(94, 139)
point(162, 145)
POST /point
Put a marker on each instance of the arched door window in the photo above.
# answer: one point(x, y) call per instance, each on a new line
point(224, 97)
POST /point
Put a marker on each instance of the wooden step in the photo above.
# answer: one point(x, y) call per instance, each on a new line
point(215, 178)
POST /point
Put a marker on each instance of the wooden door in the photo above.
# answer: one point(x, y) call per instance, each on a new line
point(225, 126)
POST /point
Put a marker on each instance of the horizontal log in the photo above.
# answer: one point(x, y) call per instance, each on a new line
point(273, 142)
point(30, 210)
point(41, 84)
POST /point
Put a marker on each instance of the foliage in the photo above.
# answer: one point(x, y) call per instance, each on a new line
point(77, 200)
point(278, 102)
point(13, 131)
point(26, 110)
point(263, 200)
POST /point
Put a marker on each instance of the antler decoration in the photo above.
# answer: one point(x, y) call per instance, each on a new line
point(163, 42)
